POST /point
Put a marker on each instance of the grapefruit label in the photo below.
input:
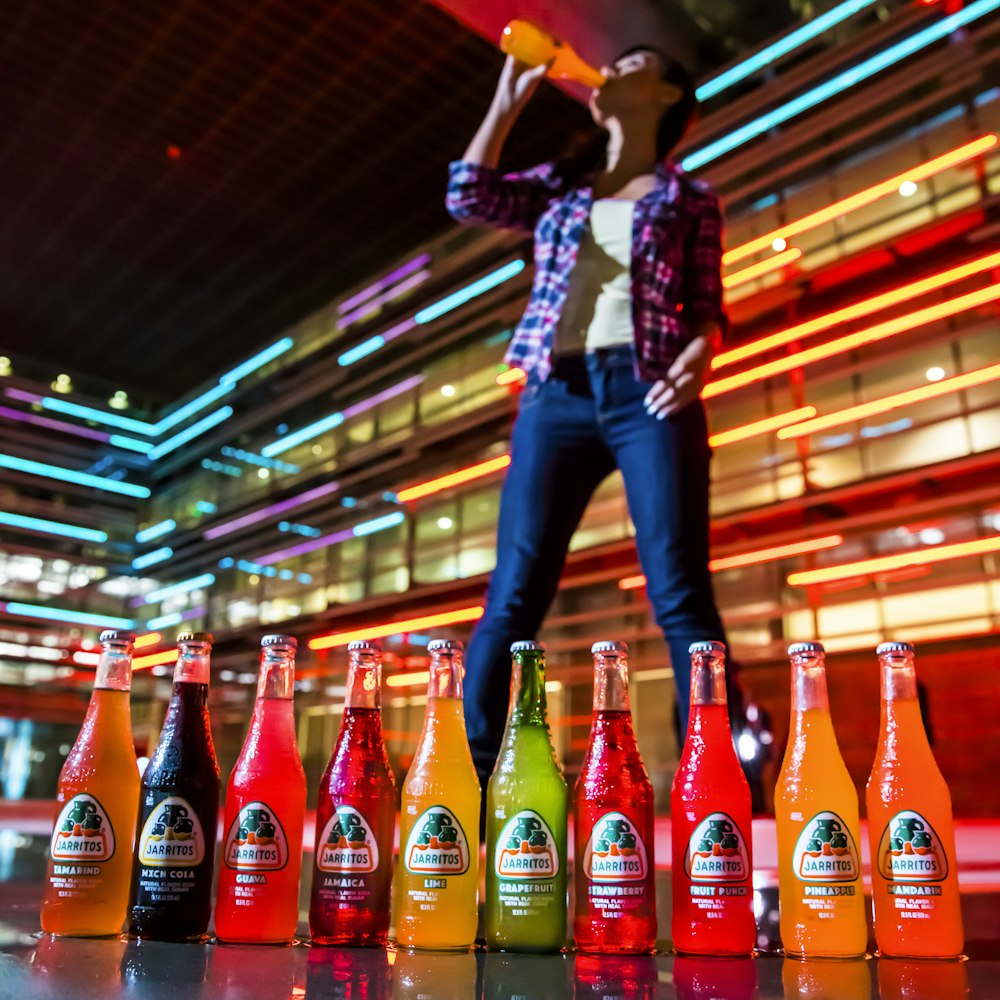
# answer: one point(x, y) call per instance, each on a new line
point(825, 851)
point(83, 832)
point(347, 844)
point(615, 851)
point(256, 841)
point(437, 844)
point(910, 850)
point(172, 835)
point(526, 848)
point(717, 851)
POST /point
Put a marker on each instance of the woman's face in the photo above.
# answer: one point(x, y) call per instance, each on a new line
point(633, 83)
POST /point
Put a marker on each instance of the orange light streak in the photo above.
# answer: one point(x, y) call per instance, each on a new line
point(509, 376)
point(761, 426)
point(453, 479)
point(396, 628)
point(149, 639)
point(154, 659)
point(865, 197)
point(415, 679)
point(920, 557)
point(761, 268)
point(906, 398)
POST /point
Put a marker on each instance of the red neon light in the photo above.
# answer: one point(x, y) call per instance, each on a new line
point(761, 426)
point(920, 557)
point(149, 639)
point(761, 268)
point(510, 376)
point(453, 479)
point(154, 659)
point(396, 628)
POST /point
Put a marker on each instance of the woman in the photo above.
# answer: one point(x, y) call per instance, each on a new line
point(617, 338)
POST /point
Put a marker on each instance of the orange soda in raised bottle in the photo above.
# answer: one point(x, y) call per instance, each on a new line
point(914, 876)
point(529, 44)
point(90, 855)
point(816, 808)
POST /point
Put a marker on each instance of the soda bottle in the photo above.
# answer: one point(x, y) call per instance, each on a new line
point(258, 897)
point(910, 829)
point(816, 809)
point(355, 818)
point(526, 821)
point(613, 820)
point(712, 886)
point(437, 878)
point(178, 810)
point(529, 44)
point(90, 853)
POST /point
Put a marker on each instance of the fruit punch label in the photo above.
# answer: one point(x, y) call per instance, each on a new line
point(347, 844)
point(256, 841)
point(526, 848)
point(717, 851)
point(83, 832)
point(615, 851)
point(910, 850)
point(437, 844)
point(825, 851)
point(172, 835)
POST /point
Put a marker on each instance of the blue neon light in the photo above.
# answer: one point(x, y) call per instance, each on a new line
point(61, 615)
point(195, 583)
point(227, 562)
point(206, 423)
point(164, 621)
point(205, 507)
point(257, 361)
point(378, 523)
point(843, 81)
point(72, 476)
point(463, 295)
point(52, 527)
point(129, 444)
point(362, 350)
point(152, 558)
point(781, 47)
point(98, 416)
point(189, 409)
point(155, 530)
point(302, 434)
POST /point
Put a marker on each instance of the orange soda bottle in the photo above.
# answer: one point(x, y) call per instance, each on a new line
point(530, 44)
point(90, 855)
point(914, 877)
point(816, 808)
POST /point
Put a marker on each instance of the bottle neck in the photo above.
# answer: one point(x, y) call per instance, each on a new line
point(277, 673)
point(446, 672)
point(610, 683)
point(527, 702)
point(193, 663)
point(364, 681)
point(114, 669)
point(809, 683)
point(898, 677)
point(708, 679)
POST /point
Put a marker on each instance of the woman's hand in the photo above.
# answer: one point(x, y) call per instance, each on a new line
point(684, 381)
point(518, 82)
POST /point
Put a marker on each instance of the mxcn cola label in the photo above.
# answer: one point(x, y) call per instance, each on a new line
point(255, 844)
point(526, 859)
point(912, 859)
point(615, 855)
point(716, 856)
point(437, 845)
point(172, 835)
point(83, 833)
point(825, 853)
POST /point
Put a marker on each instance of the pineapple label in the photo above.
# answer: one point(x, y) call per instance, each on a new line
point(826, 859)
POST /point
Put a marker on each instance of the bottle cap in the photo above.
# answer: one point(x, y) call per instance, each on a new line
point(610, 646)
point(117, 635)
point(445, 646)
point(364, 646)
point(196, 637)
point(894, 647)
point(706, 646)
point(279, 640)
point(798, 648)
point(527, 646)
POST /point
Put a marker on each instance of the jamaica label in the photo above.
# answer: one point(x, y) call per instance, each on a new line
point(526, 848)
point(437, 844)
point(615, 851)
point(172, 835)
point(717, 851)
point(256, 841)
point(825, 851)
point(347, 844)
point(910, 850)
point(83, 832)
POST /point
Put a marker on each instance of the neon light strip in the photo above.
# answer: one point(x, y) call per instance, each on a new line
point(397, 628)
point(761, 426)
point(889, 328)
point(205, 507)
point(383, 283)
point(98, 416)
point(48, 422)
point(416, 679)
point(381, 397)
point(148, 639)
point(189, 409)
point(71, 476)
point(921, 557)
point(257, 361)
point(840, 208)
point(379, 524)
point(152, 558)
point(206, 423)
point(478, 287)
point(62, 615)
point(453, 479)
point(843, 81)
point(52, 527)
point(380, 300)
point(155, 530)
point(195, 583)
point(130, 444)
point(361, 350)
point(364, 528)
point(510, 375)
point(154, 659)
point(897, 399)
point(274, 509)
point(780, 48)
point(758, 270)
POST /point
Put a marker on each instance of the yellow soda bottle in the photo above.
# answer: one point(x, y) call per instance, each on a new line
point(816, 807)
point(437, 878)
point(529, 44)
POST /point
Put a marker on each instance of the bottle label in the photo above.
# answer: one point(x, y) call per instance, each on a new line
point(437, 844)
point(825, 851)
point(526, 848)
point(347, 844)
point(256, 841)
point(717, 851)
point(911, 851)
point(83, 832)
point(615, 851)
point(172, 835)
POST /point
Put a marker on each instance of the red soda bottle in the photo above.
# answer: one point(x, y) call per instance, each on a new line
point(613, 818)
point(258, 899)
point(710, 818)
point(355, 818)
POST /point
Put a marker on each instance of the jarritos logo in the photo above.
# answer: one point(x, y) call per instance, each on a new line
point(825, 851)
point(437, 844)
point(172, 835)
point(615, 851)
point(256, 841)
point(717, 851)
point(910, 850)
point(83, 831)
point(347, 844)
point(526, 848)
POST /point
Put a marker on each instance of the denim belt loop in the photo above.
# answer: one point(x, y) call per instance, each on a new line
point(606, 358)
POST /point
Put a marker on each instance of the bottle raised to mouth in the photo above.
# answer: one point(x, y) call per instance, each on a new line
point(530, 44)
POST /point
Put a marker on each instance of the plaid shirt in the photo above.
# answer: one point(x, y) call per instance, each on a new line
point(676, 254)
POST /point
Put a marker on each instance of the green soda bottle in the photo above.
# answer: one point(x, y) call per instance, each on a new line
point(526, 807)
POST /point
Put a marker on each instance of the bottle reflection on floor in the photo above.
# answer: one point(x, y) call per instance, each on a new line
point(912, 979)
point(830, 979)
point(154, 969)
point(273, 972)
point(443, 976)
point(712, 978)
point(529, 977)
point(58, 961)
point(628, 977)
point(347, 973)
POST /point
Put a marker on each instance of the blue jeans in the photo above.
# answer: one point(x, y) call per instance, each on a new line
point(571, 432)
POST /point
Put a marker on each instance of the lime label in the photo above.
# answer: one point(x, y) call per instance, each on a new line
point(256, 841)
point(347, 844)
point(615, 851)
point(825, 851)
point(83, 832)
point(437, 844)
point(717, 851)
point(910, 850)
point(526, 848)
point(172, 835)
